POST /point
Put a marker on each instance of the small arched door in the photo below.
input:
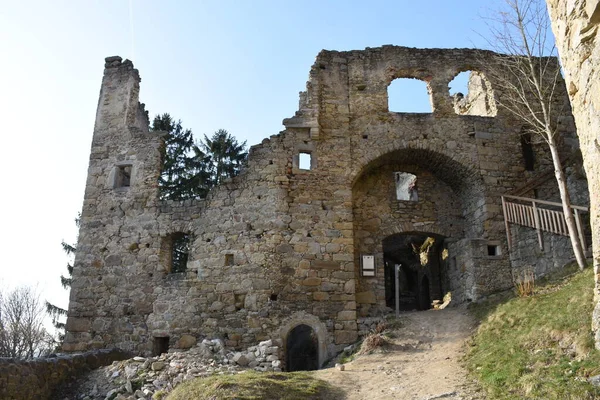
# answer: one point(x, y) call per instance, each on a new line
point(302, 349)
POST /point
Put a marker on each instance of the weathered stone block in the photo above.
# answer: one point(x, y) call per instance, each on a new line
point(185, 342)
point(78, 324)
point(312, 281)
point(346, 315)
point(345, 337)
point(366, 298)
point(321, 264)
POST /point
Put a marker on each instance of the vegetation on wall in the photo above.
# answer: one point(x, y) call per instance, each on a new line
point(191, 168)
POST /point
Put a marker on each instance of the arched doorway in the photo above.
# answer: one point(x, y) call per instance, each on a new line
point(420, 260)
point(302, 349)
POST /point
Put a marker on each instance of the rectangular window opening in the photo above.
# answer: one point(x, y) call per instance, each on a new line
point(229, 259)
point(177, 246)
point(406, 186)
point(123, 176)
point(527, 149)
point(304, 161)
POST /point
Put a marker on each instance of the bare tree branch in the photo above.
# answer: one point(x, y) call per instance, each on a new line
point(526, 73)
point(22, 333)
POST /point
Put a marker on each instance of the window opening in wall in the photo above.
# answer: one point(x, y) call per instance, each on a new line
point(493, 250)
point(527, 149)
point(406, 186)
point(472, 94)
point(409, 95)
point(179, 249)
point(122, 176)
point(160, 345)
point(229, 259)
point(304, 160)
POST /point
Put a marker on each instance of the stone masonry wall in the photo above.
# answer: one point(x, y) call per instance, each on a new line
point(576, 26)
point(37, 378)
point(278, 246)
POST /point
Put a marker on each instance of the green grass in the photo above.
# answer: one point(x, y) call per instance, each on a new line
point(253, 385)
point(538, 347)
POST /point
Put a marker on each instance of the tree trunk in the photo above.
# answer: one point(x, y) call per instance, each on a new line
point(566, 203)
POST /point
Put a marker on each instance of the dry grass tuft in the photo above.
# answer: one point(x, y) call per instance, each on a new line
point(372, 342)
point(525, 283)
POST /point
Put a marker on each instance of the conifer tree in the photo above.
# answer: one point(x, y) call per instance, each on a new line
point(226, 155)
point(185, 172)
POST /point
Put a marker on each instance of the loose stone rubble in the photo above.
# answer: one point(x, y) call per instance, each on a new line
point(144, 377)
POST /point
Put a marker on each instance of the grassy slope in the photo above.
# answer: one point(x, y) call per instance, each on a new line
point(253, 385)
point(538, 347)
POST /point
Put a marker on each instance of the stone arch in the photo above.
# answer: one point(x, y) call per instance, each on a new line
point(437, 157)
point(408, 228)
point(318, 327)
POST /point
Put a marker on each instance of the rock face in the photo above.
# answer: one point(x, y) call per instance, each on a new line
point(576, 27)
point(282, 244)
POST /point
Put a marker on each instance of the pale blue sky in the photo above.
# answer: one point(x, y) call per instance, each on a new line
point(236, 65)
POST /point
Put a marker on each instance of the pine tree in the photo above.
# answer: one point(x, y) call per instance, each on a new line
point(55, 312)
point(226, 155)
point(185, 172)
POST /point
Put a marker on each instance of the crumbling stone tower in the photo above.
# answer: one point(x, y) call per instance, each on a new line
point(286, 245)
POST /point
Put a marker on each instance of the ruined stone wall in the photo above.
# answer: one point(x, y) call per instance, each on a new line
point(280, 245)
point(38, 378)
point(575, 25)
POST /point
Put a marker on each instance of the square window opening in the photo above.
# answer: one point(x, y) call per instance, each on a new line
point(304, 160)
point(493, 250)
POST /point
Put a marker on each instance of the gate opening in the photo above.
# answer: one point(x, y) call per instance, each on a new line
point(419, 258)
point(302, 349)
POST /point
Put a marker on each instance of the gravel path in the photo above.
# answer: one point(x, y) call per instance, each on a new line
point(422, 362)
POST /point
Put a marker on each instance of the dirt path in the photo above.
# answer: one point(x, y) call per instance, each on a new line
point(422, 362)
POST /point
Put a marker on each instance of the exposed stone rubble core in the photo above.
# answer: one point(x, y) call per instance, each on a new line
point(280, 246)
point(141, 377)
point(576, 26)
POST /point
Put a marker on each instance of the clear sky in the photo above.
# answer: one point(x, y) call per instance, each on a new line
point(236, 65)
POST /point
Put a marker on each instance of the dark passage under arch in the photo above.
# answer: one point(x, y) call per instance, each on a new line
point(302, 352)
point(418, 256)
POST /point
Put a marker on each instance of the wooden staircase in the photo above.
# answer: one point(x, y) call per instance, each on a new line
point(541, 215)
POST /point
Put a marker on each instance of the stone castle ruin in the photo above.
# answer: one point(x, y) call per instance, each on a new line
point(302, 246)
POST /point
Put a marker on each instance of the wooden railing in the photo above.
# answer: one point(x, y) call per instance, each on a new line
point(543, 216)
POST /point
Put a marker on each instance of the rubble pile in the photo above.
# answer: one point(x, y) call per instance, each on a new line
point(153, 377)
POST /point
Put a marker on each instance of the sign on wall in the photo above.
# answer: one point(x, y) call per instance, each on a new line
point(367, 264)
